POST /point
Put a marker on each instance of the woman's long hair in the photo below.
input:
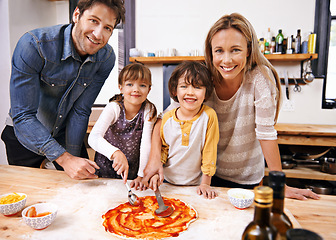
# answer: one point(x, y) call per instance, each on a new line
point(255, 58)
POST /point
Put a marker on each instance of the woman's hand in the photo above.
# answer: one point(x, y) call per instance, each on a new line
point(120, 164)
point(300, 194)
point(207, 191)
point(137, 184)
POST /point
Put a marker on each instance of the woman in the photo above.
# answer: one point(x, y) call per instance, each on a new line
point(247, 101)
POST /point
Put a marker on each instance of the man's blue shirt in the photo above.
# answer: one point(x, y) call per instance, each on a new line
point(52, 90)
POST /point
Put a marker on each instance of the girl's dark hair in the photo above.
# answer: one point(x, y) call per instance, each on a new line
point(116, 5)
point(194, 73)
point(133, 72)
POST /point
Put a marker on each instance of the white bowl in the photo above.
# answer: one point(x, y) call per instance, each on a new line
point(241, 198)
point(12, 208)
point(40, 223)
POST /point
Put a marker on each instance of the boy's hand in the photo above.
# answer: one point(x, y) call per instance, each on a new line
point(154, 182)
point(207, 191)
point(137, 184)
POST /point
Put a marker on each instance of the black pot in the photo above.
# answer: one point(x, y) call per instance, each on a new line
point(321, 187)
point(328, 165)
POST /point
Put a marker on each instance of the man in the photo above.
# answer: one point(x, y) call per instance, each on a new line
point(57, 73)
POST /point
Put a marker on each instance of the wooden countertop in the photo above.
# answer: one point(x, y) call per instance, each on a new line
point(306, 134)
point(306, 129)
point(81, 206)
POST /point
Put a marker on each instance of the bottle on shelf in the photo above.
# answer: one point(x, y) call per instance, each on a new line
point(278, 42)
point(312, 43)
point(262, 45)
point(260, 227)
point(279, 219)
point(272, 45)
point(298, 41)
point(289, 45)
point(267, 48)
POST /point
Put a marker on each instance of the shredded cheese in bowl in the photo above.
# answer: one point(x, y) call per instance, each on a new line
point(11, 198)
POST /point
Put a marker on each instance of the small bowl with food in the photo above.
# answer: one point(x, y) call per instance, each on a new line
point(12, 203)
point(39, 216)
point(240, 198)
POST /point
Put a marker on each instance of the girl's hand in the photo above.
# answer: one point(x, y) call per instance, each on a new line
point(120, 164)
point(154, 182)
point(207, 191)
point(137, 184)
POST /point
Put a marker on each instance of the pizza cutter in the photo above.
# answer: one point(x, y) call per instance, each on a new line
point(163, 210)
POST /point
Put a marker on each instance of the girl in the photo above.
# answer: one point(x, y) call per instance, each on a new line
point(121, 136)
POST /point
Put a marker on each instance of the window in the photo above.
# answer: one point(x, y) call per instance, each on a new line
point(323, 67)
point(330, 90)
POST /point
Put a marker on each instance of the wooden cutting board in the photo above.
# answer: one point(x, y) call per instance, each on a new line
point(82, 203)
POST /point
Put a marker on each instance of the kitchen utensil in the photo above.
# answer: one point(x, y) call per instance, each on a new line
point(320, 187)
point(328, 165)
point(297, 87)
point(42, 222)
point(11, 209)
point(308, 76)
point(240, 198)
point(288, 164)
point(163, 210)
point(287, 85)
point(308, 152)
point(300, 233)
point(132, 198)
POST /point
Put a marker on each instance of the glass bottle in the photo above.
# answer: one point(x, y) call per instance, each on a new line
point(279, 219)
point(298, 41)
point(272, 45)
point(260, 228)
point(278, 42)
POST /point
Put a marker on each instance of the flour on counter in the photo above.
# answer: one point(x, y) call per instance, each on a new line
point(80, 210)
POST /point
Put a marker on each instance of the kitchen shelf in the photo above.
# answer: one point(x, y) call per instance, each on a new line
point(306, 173)
point(166, 60)
point(272, 57)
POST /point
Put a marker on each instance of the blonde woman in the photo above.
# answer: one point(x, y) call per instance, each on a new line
point(247, 101)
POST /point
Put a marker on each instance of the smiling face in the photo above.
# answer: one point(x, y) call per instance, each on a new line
point(92, 29)
point(190, 98)
point(135, 92)
point(230, 52)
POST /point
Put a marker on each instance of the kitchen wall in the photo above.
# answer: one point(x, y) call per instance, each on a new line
point(163, 24)
point(184, 24)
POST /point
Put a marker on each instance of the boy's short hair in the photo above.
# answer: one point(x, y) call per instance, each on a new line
point(194, 73)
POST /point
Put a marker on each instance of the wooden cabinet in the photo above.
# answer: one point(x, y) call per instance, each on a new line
point(307, 135)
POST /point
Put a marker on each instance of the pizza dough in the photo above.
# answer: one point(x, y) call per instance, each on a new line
point(140, 222)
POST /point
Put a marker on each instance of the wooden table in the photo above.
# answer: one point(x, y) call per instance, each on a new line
point(79, 212)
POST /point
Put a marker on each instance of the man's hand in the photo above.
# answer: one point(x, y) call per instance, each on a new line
point(76, 167)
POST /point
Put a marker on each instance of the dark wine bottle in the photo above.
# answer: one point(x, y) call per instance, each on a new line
point(260, 228)
point(279, 219)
